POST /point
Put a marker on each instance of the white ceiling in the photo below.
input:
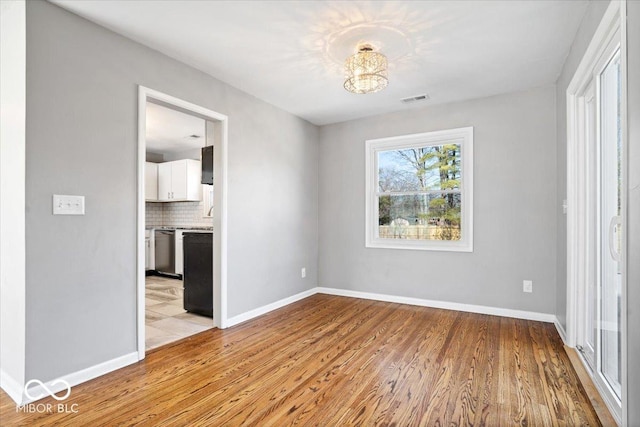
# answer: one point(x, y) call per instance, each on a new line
point(170, 132)
point(290, 53)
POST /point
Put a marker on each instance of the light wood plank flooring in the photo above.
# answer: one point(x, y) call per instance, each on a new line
point(335, 361)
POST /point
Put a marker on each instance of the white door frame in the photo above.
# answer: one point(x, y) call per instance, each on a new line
point(219, 210)
point(613, 21)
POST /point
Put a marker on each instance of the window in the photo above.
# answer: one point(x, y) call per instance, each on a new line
point(207, 201)
point(419, 191)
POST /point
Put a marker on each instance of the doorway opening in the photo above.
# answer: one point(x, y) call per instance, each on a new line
point(181, 274)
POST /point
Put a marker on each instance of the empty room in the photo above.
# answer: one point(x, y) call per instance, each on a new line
point(331, 213)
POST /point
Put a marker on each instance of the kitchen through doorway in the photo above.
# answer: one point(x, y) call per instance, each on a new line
point(181, 220)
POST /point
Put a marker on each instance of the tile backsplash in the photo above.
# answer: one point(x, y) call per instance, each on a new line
point(176, 214)
point(153, 214)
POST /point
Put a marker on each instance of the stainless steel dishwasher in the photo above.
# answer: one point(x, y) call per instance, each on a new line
point(165, 251)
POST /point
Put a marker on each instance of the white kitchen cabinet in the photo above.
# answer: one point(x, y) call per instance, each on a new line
point(147, 254)
point(179, 252)
point(149, 250)
point(179, 181)
point(164, 181)
point(151, 182)
point(147, 243)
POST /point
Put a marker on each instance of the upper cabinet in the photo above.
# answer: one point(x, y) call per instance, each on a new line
point(151, 182)
point(179, 181)
point(207, 165)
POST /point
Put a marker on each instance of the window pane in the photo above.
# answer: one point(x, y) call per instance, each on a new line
point(435, 167)
point(419, 217)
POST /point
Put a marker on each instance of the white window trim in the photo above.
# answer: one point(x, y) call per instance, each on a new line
point(464, 136)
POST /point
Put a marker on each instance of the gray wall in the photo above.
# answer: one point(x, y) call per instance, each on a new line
point(514, 212)
point(81, 139)
point(633, 258)
point(587, 28)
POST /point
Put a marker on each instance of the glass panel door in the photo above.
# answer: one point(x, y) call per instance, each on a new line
point(609, 226)
point(596, 215)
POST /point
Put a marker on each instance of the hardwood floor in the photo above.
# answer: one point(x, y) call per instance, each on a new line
point(334, 361)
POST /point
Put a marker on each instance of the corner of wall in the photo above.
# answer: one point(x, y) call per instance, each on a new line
point(12, 387)
point(12, 196)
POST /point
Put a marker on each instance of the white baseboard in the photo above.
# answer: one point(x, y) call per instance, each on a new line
point(10, 386)
point(78, 377)
point(561, 331)
point(470, 308)
point(269, 307)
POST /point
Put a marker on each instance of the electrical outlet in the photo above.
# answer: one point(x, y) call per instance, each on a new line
point(303, 272)
point(527, 286)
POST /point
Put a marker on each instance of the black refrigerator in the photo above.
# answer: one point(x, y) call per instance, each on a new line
point(198, 273)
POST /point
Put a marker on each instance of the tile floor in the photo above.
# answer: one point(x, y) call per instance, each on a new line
point(165, 319)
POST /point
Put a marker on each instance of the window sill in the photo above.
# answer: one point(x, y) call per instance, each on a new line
point(420, 246)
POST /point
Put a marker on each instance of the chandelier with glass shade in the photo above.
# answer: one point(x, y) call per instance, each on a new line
point(366, 71)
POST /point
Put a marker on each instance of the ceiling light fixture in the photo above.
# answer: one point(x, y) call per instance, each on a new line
point(366, 71)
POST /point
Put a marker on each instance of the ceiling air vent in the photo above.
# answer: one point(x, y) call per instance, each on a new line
point(412, 99)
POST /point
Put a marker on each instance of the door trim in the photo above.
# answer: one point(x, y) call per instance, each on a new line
point(613, 21)
point(220, 209)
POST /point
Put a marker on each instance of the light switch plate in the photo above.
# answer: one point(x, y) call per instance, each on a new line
point(68, 205)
